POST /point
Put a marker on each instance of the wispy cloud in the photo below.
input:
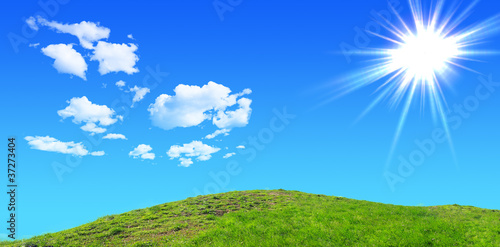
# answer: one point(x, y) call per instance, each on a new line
point(50, 144)
point(139, 93)
point(86, 32)
point(228, 155)
point(218, 132)
point(114, 136)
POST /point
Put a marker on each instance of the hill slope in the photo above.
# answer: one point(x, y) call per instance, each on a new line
point(283, 218)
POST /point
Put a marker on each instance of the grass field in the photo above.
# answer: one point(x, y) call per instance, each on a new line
point(282, 218)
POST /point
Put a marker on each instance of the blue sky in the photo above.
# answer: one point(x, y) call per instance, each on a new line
point(281, 56)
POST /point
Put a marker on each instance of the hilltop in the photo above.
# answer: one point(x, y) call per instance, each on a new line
point(282, 218)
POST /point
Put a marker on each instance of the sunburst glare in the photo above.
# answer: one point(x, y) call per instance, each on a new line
point(417, 58)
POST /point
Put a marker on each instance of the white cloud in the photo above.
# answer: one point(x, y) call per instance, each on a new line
point(240, 147)
point(115, 57)
point(236, 118)
point(111, 57)
point(140, 92)
point(93, 128)
point(185, 162)
point(31, 21)
point(228, 155)
point(191, 105)
point(202, 152)
point(150, 156)
point(218, 132)
point(84, 111)
point(98, 153)
point(35, 45)
point(130, 36)
point(86, 32)
point(67, 59)
point(50, 144)
point(142, 151)
point(120, 84)
point(114, 136)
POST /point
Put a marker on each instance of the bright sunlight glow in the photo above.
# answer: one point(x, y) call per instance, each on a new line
point(419, 58)
point(423, 55)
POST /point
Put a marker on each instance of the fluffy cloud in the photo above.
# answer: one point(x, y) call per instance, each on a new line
point(185, 162)
point(84, 111)
point(67, 59)
point(240, 147)
point(115, 57)
point(120, 84)
point(86, 32)
point(98, 153)
point(140, 92)
point(114, 136)
point(191, 105)
point(93, 128)
point(197, 149)
point(50, 144)
point(228, 155)
point(142, 151)
point(130, 36)
point(111, 57)
point(218, 132)
point(236, 118)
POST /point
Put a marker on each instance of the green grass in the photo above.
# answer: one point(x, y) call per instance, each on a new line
point(282, 218)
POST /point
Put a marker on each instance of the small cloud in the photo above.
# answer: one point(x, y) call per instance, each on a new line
point(120, 84)
point(185, 162)
point(218, 132)
point(86, 32)
point(236, 118)
point(35, 45)
point(97, 153)
point(31, 21)
point(130, 36)
point(150, 156)
point(50, 144)
point(114, 136)
point(240, 147)
point(82, 110)
point(104, 85)
point(115, 57)
point(66, 59)
point(228, 155)
point(142, 151)
point(202, 152)
point(140, 92)
point(93, 128)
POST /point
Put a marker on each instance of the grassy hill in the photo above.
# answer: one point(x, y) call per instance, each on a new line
point(282, 218)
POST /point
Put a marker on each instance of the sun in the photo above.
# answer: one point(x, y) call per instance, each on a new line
point(423, 55)
point(419, 54)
